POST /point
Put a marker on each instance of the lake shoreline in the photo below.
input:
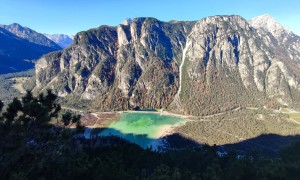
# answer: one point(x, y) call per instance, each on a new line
point(116, 114)
point(162, 113)
point(146, 128)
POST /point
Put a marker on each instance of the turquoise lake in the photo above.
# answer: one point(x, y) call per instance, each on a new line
point(144, 129)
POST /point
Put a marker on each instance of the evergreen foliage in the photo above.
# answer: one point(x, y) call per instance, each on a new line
point(31, 148)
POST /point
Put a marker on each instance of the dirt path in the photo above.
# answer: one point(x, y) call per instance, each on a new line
point(218, 114)
point(291, 112)
point(72, 109)
point(160, 112)
point(294, 121)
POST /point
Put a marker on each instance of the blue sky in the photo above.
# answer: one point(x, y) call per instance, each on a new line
point(72, 16)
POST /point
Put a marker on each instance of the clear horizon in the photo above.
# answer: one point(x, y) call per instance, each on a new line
point(70, 17)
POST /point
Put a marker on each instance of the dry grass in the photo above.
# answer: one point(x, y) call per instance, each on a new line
point(295, 116)
point(239, 126)
point(18, 84)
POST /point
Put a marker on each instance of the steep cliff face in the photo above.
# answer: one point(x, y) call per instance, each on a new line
point(283, 75)
point(214, 64)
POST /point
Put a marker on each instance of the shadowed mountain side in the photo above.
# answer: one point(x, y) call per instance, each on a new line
point(265, 143)
point(53, 156)
point(21, 46)
point(268, 143)
point(141, 139)
point(17, 54)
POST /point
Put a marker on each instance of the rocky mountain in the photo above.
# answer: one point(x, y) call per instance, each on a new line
point(30, 35)
point(19, 46)
point(208, 66)
point(288, 40)
point(61, 39)
point(268, 24)
point(127, 21)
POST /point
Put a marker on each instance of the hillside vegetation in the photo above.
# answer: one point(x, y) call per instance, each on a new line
point(239, 126)
point(198, 68)
point(31, 148)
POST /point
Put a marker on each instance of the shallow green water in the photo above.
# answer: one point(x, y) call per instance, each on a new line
point(143, 129)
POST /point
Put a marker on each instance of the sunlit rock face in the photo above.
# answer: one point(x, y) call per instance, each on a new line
point(201, 67)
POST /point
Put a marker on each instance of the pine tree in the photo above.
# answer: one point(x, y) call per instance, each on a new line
point(66, 118)
point(12, 111)
point(1, 106)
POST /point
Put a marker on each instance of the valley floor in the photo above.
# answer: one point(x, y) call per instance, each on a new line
point(236, 126)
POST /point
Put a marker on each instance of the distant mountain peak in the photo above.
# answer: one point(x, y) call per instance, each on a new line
point(30, 35)
point(20, 46)
point(268, 23)
point(15, 24)
point(266, 16)
point(62, 40)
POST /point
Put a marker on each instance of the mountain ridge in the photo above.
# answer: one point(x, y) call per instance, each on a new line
point(198, 67)
point(62, 40)
point(21, 46)
point(30, 35)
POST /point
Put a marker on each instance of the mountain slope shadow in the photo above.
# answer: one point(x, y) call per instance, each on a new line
point(95, 135)
point(265, 143)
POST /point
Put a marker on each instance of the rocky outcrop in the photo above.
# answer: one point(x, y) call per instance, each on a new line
point(212, 65)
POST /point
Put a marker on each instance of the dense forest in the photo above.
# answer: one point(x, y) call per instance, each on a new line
point(33, 147)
